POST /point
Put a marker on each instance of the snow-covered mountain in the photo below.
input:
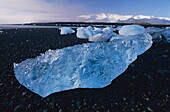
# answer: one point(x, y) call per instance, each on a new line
point(103, 17)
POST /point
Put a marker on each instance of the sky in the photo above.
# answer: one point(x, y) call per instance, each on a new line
point(26, 11)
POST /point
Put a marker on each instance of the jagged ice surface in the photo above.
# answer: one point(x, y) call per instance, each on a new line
point(85, 32)
point(90, 65)
point(95, 34)
point(138, 34)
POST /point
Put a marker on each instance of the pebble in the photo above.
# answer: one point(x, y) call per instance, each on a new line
point(165, 56)
point(1, 84)
point(24, 93)
point(19, 108)
point(60, 110)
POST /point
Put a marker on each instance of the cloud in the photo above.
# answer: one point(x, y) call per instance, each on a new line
point(26, 11)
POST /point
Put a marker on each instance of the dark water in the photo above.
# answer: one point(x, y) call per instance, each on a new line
point(143, 87)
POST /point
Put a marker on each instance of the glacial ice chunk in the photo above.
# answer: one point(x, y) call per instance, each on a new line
point(97, 30)
point(142, 42)
point(166, 34)
point(139, 35)
point(102, 34)
point(158, 33)
point(167, 28)
point(108, 31)
point(117, 37)
point(153, 30)
point(90, 65)
point(66, 30)
point(85, 32)
point(98, 38)
point(95, 34)
point(118, 28)
point(131, 30)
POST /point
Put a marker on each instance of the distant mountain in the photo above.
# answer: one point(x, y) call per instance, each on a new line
point(103, 17)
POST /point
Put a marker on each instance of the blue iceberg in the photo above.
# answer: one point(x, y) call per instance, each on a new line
point(90, 65)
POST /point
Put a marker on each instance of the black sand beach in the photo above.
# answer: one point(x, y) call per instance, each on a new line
point(143, 87)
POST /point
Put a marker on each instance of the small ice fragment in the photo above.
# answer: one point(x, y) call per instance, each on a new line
point(66, 30)
point(1, 32)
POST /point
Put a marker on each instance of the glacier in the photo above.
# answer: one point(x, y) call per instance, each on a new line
point(90, 65)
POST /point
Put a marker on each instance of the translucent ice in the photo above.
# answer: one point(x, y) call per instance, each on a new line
point(166, 34)
point(138, 34)
point(158, 33)
point(103, 34)
point(167, 28)
point(95, 34)
point(108, 31)
point(98, 37)
point(66, 30)
point(132, 30)
point(90, 65)
point(85, 32)
point(153, 30)
point(97, 30)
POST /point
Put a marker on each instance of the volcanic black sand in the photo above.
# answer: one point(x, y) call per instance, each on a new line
point(143, 87)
